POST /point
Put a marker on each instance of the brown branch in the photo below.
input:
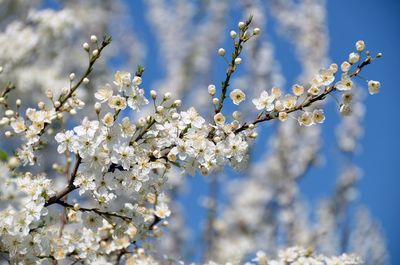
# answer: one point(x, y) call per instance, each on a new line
point(273, 115)
point(69, 188)
point(232, 66)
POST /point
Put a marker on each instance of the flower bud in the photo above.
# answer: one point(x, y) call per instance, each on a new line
point(95, 52)
point(85, 81)
point(13, 162)
point(160, 108)
point(72, 76)
point(18, 103)
point(215, 101)
point(211, 90)
point(177, 103)
point(8, 134)
point(97, 107)
point(86, 46)
point(9, 113)
point(153, 94)
point(1, 69)
point(256, 31)
point(167, 95)
point(72, 112)
point(233, 34)
point(57, 104)
point(354, 57)
point(77, 206)
point(221, 51)
point(360, 45)
point(93, 38)
point(241, 24)
point(238, 60)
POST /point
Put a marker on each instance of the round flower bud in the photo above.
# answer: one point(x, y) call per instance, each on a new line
point(13, 162)
point(9, 113)
point(86, 46)
point(241, 24)
point(1, 69)
point(97, 107)
point(221, 51)
point(72, 112)
point(373, 87)
point(95, 52)
point(167, 95)
point(77, 206)
point(360, 45)
point(18, 103)
point(160, 108)
point(211, 90)
point(153, 94)
point(72, 76)
point(175, 116)
point(93, 38)
point(238, 60)
point(217, 139)
point(177, 103)
point(142, 122)
point(85, 81)
point(57, 104)
point(8, 133)
point(215, 101)
point(60, 116)
point(379, 55)
point(256, 31)
point(4, 121)
point(2, 99)
point(354, 57)
point(251, 126)
point(233, 34)
point(253, 135)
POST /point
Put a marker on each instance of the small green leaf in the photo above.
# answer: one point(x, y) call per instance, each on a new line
point(3, 155)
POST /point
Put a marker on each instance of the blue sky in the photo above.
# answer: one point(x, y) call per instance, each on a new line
point(378, 23)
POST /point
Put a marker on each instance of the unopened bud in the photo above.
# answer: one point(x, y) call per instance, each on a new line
point(86, 46)
point(93, 38)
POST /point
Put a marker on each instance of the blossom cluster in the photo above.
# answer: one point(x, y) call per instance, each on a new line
point(119, 166)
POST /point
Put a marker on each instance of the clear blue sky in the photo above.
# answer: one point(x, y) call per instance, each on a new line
point(378, 23)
